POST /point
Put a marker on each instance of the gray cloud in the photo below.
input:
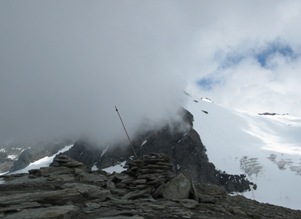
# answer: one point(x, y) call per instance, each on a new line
point(64, 65)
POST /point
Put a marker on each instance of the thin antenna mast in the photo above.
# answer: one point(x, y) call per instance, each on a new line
point(126, 132)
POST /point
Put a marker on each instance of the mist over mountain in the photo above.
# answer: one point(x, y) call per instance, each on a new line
point(63, 71)
point(63, 66)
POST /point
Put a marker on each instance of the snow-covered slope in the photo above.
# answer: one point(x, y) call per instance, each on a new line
point(118, 168)
point(43, 162)
point(46, 161)
point(264, 147)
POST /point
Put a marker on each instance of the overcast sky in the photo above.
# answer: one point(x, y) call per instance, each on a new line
point(65, 64)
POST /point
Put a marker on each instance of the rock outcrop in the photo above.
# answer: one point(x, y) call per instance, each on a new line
point(149, 188)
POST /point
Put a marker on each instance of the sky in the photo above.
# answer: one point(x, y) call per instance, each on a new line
point(249, 56)
point(64, 65)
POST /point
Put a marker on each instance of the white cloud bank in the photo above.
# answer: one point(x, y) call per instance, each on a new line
point(65, 64)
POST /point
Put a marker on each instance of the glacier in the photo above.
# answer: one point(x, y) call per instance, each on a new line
point(267, 148)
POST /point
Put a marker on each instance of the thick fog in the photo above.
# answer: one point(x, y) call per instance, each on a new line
point(64, 65)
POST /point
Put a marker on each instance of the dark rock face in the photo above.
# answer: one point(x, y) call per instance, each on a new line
point(84, 152)
point(148, 189)
point(22, 162)
point(89, 154)
point(235, 183)
point(182, 143)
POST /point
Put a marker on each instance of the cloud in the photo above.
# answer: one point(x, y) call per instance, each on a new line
point(65, 66)
point(258, 83)
point(252, 51)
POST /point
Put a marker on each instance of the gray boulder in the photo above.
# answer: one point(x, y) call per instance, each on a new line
point(177, 188)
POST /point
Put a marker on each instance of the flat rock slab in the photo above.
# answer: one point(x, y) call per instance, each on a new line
point(53, 197)
point(43, 213)
point(89, 191)
point(189, 203)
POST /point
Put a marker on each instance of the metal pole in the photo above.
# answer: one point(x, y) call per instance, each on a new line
point(126, 132)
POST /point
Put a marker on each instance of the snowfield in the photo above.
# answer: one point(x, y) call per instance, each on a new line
point(118, 168)
point(264, 147)
point(43, 162)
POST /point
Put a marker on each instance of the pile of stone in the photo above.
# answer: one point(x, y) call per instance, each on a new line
point(145, 176)
point(155, 163)
point(64, 161)
point(153, 175)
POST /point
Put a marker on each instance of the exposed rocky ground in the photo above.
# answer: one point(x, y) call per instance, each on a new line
point(148, 189)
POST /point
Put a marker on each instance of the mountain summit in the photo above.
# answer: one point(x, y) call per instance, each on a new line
point(256, 155)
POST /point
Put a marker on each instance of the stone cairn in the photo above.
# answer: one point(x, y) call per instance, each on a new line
point(147, 175)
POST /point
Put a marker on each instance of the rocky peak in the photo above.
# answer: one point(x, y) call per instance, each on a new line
point(182, 144)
